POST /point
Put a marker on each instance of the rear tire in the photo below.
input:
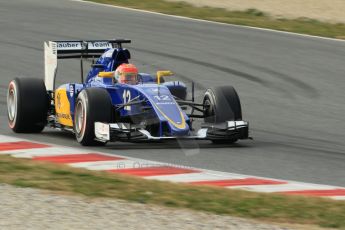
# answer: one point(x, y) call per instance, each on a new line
point(27, 105)
point(92, 104)
point(222, 104)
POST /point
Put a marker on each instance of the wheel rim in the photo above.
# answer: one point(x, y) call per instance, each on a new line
point(208, 111)
point(12, 104)
point(79, 118)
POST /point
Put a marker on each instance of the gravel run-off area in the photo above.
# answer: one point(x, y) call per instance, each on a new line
point(323, 10)
point(27, 208)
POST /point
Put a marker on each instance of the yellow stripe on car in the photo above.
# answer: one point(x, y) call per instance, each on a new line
point(179, 126)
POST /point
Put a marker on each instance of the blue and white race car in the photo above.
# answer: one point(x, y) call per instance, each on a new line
point(116, 103)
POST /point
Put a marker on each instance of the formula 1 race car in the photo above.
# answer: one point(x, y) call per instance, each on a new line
point(110, 105)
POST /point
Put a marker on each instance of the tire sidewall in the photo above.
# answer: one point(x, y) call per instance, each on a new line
point(209, 95)
point(31, 105)
point(13, 123)
point(97, 106)
point(225, 103)
point(82, 98)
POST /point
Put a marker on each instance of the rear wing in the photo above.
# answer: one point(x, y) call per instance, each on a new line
point(54, 50)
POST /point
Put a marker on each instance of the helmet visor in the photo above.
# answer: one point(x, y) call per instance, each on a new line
point(128, 78)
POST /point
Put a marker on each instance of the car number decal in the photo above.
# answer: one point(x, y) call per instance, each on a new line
point(126, 98)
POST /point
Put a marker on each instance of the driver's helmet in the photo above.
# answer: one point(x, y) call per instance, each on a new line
point(126, 74)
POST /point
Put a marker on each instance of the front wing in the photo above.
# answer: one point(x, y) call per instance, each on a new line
point(127, 132)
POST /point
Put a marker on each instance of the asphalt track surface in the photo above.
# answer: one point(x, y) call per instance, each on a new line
point(291, 87)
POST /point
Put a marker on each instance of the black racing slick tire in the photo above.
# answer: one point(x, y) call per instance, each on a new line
point(92, 105)
point(27, 105)
point(222, 104)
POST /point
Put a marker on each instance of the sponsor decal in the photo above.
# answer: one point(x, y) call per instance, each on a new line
point(82, 45)
point(99, 45)
point(162, 97)
point(58, 101)
point(71, 90)
point(126, 99)
point(155, 90)
point(165, 103)
point(64, 116)
point(62, 107)
point(69, 45)
point(163, 100)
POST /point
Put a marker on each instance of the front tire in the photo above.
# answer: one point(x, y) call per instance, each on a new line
point(92, 104)
point(27, 105)
point(222, 104)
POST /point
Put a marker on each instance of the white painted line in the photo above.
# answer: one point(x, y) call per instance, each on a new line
point(193, 177)
point(291, 186)
point(227, 174)
point(114, 164)
point(337, 197)
point(212, 22)
point(50, 151)
point(4, 139)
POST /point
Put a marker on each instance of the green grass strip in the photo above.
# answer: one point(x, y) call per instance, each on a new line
point(250, 17)
point(260, 206)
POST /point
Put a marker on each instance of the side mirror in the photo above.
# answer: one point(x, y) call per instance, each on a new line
point(98, 66)
point(106, 74)
point(163, 73)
